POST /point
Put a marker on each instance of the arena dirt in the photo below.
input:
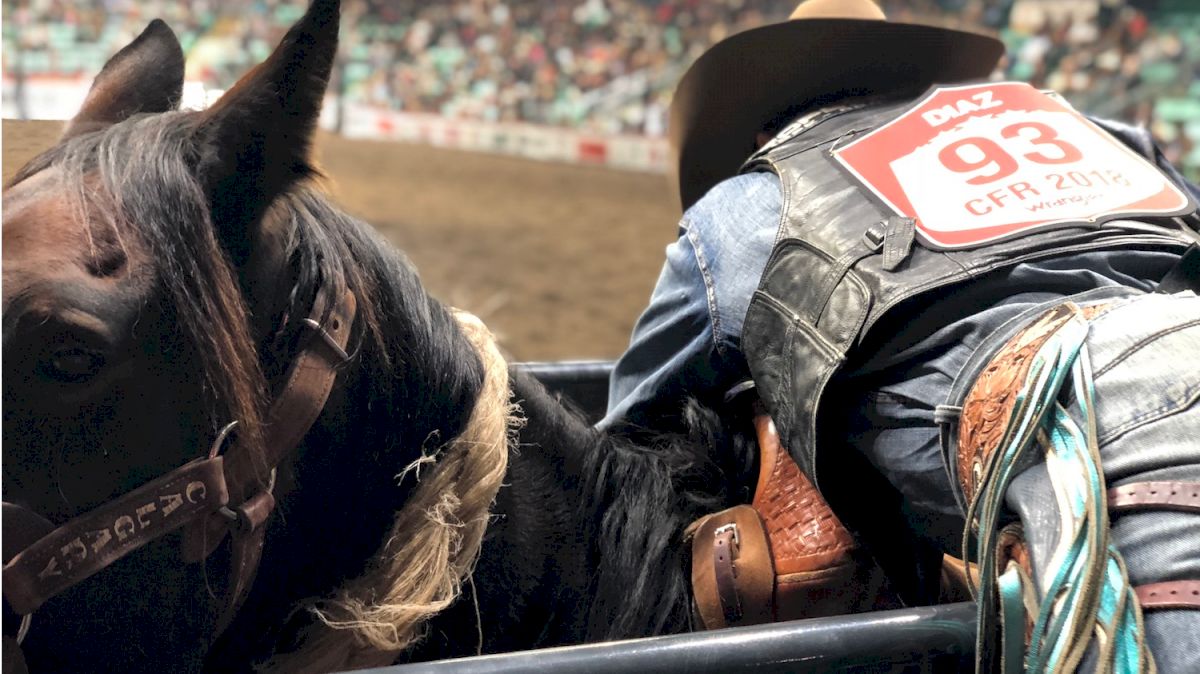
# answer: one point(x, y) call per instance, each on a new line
point(558, 260)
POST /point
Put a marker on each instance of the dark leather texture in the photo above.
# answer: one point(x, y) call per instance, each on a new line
point(827, 282)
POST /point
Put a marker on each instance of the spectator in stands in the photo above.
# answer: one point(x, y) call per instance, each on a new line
point(604, 65)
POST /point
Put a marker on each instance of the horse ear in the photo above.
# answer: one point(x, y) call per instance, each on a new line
point(145, 76)
point(255, 141)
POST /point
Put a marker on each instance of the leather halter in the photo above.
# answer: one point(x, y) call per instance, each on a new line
point(213, 496)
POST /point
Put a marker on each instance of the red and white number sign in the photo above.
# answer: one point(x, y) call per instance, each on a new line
point(978, 163)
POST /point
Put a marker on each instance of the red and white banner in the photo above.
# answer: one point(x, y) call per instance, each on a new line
point(980, 163)
point(530, 141)
point(44, 97)
point(61, 97)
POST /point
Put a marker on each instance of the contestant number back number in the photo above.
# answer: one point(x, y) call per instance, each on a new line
point(980, 163)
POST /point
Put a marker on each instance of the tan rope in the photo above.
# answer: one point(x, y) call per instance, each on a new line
point(434, 542)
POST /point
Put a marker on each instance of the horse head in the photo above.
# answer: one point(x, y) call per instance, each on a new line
point(145, 280)
point(168, 273)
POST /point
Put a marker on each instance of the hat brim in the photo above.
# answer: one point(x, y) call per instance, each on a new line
point(745, 82)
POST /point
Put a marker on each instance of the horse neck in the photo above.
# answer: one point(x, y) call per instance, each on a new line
point(588, 538)
point(585, 542)
point(409, 389)
point(532, 574)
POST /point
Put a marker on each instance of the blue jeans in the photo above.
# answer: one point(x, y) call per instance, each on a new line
point(895, 392)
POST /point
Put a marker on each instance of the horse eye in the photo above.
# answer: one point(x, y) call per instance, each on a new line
point(73, 366)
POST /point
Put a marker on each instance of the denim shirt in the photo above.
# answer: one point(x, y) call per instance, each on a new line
point(687, 341)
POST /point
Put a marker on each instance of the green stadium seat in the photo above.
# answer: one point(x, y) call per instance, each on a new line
point(356, 72)
point(1177, 109)
point(1161, 72)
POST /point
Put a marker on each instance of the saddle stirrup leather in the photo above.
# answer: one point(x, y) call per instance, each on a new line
point(784, 557)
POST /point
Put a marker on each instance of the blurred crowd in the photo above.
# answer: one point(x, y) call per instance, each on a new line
point(610, 65)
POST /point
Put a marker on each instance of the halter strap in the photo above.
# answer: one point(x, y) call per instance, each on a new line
point(251, 478)
point(197, 495)
point(91, 542)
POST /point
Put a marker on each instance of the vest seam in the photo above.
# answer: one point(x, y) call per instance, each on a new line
point(785, 206)
point(798, 322)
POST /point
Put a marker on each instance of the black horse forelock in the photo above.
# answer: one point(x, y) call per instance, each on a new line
point(406, 343)
point(134, 181)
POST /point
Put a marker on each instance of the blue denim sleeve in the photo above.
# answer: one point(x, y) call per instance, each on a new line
point(686, 342)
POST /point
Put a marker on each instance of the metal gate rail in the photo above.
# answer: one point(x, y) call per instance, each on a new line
point(933, 637)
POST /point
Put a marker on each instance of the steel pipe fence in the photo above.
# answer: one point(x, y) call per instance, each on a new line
point(931, 638)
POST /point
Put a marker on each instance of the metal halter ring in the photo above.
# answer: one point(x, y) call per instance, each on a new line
point(215, 449)
point(23, 630)
point(235, 517)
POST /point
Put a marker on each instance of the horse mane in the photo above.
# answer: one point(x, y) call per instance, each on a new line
point(650, 486)
point(640, 489)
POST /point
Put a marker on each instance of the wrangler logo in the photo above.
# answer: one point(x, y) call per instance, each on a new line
point(75, 551)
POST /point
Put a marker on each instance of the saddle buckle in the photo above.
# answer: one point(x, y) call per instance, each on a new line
point(731, 527)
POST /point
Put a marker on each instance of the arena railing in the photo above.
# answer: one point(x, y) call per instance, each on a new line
point(932, 638)
point(581, 382)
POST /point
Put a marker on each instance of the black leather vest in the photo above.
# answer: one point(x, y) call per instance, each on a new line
point(842, 261)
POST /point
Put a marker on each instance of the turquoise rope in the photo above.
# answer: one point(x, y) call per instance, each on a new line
point(1045, 378)
point(1012, 608)
point(1087, 594)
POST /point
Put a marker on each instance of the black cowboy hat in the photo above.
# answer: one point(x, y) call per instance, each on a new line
point(745, 83)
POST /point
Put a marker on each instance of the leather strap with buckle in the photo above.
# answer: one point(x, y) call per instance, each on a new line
point(250, 478)
point(785, 557)
point(733, 579)
point(725, 553)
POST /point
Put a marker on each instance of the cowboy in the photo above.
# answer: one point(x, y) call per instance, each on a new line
point(872, 231)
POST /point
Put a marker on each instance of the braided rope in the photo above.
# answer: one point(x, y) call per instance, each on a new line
point(1085, 590)
point(434, 542)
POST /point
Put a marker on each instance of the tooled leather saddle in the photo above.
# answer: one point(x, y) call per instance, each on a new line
point(785, 556)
